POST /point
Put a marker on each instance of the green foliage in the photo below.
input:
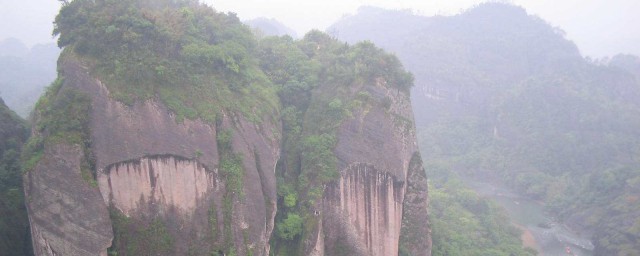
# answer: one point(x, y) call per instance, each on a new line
point(231, 167)
point(63, 118)
point(318, 160)
point(232, 171)
point(290, 200)
point(14, 224)
point(463, 223)
point(198, 62)
point(289, 227)
point(135, 237)
point(213, 221)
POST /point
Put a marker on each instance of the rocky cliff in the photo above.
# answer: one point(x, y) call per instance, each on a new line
point(363, 210)
point(148, 168)
point(180, 144)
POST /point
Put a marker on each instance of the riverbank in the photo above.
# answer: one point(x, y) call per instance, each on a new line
point(528, 240)
point(527, 215)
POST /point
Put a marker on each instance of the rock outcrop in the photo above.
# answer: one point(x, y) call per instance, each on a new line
point(66, 213)
point(186, 164)
point(148, 167)
point(362, 212)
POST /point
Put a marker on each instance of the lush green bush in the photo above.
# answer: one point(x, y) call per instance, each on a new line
point(184, 53)
point(290, 227)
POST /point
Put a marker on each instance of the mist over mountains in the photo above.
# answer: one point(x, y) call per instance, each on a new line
point(247, 138)
point(25, 72)
point(501, 93)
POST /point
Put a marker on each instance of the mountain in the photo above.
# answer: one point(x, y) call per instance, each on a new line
point(270, 27)
point(14, 225)
point(628, 63)
point(25, 72)
point(172, 130)
point(501, 93)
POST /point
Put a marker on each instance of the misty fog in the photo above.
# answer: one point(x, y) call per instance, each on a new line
point(525, 115)
point(601, 28)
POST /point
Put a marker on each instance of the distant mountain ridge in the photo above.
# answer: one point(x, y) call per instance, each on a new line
point(25, 72)
point(271, 27)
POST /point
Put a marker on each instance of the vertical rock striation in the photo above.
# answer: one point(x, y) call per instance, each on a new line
point(362, 212)
point(366, 205)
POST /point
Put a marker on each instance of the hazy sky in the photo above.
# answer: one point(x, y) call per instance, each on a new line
point(599, 27)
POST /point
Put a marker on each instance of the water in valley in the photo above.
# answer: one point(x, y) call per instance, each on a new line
point(549, 237)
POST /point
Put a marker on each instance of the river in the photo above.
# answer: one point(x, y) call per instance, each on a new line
point(549, 237)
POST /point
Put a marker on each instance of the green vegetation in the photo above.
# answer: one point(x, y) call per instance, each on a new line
point(290, 227)
point(232, 172)
point(230, 164)
point(134, 237)
point(463, 223)
point(198, 62)
point(14, 224)
point(62, 117)
point(561, 139)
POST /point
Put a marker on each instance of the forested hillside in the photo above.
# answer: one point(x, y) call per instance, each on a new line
point(14, 225)
point(503, 94)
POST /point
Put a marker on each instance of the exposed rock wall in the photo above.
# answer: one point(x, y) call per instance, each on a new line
point(164, 180)
point(363, 212)
point(151, 167)
point(67, 215)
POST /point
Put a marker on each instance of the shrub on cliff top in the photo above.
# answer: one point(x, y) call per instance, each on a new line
point(195, 60)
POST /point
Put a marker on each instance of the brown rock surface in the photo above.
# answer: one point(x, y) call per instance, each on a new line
point(151, 167)
point(362, 213)
point(67, 214)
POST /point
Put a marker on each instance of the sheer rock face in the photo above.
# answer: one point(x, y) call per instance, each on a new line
point(362, 212)
point(66, 214)
point(149, 166)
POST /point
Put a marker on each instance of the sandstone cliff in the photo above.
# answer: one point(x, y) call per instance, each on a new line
point(176, 145)
point(151, 168)
point(362, 212)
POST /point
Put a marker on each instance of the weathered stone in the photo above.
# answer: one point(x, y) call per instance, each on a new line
point(362, 212)
point(67, 214)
